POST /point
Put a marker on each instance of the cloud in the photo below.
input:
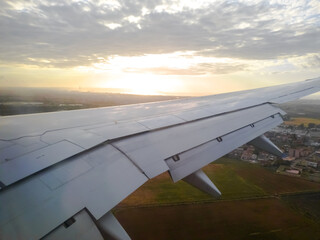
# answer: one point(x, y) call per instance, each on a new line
point(79, 33)
point(310, 61)
point(313, 62)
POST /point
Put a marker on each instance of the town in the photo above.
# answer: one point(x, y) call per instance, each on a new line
point(301, 145)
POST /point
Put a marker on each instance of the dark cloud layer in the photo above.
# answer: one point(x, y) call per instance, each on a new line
point(78, 33)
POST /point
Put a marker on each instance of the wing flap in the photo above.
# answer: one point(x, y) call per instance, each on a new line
point(200, 156)
point(82, 228)
point(97, 188)
point(150, 149)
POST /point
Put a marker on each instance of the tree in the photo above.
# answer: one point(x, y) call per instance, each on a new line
point(311, 125)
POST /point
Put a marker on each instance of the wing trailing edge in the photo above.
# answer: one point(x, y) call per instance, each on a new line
point(111, 228)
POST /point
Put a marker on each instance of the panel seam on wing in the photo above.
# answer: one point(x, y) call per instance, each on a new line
point(124, 154)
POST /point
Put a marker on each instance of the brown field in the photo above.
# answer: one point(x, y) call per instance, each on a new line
point(305, 121)
point(238, 219)
point(306, 204)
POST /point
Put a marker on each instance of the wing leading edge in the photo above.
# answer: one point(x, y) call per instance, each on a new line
point(64, 178)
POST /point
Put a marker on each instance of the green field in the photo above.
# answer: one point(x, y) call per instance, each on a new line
point(256, 204)
point(235, 179)
point(304, 121)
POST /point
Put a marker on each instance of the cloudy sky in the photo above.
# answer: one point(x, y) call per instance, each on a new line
point(158, 46)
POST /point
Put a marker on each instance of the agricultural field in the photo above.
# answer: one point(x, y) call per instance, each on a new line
point(256, 204)
point(306, 204)
point(307, 108)
point(240, 219)
point(300, 120)
point(235, 179)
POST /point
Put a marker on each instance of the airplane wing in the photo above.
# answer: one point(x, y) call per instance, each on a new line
point(62, 173)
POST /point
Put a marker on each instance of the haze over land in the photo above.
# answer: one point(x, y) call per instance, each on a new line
point(158, 47)
point(15, 101)
point(35, 100)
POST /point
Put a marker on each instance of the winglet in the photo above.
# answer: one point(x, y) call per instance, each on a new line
point(201, 181)
point(265, 144)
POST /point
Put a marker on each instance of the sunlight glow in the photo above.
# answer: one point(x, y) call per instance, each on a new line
point(144, 84)
point(153, 74)
point(150, 74)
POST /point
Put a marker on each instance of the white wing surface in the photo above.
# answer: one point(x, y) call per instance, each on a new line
point(62, 173)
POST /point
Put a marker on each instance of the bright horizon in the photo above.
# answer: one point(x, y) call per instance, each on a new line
point(182, 47)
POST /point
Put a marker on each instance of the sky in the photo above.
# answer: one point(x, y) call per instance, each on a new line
point(158, 47)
